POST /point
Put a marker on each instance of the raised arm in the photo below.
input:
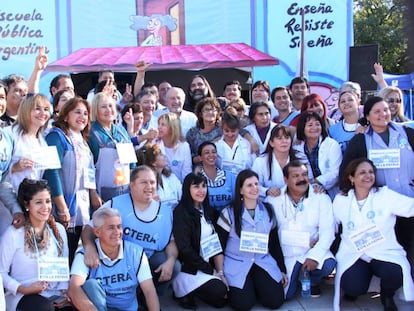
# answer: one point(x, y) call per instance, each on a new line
point(39, 65)
point(140, 78)
point(378, 76)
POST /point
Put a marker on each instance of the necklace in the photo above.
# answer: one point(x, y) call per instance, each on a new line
point(297, 206)
point(361, 203)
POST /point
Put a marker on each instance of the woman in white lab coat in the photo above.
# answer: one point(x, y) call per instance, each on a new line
point(369, 246)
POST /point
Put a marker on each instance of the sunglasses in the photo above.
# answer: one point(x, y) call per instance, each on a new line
point(238, 108)
point(392, 100)
point(41, 182)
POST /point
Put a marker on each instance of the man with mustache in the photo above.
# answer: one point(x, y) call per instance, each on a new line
point(306, 229)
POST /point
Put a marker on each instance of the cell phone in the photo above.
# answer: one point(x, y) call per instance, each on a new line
point(56, 299)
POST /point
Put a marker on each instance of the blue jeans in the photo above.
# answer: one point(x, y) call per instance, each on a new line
point(96, 294)
point(155, 261)
point(355, 280)
point(316, 276)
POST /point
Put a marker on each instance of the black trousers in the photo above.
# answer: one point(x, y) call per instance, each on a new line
point(73, 235)
point(355, 281)
point(38, 303)
point(212, 293)
point(35, 301)
point(258, 287)
point(404, 230)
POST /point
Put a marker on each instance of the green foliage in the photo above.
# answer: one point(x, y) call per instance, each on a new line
point(382, 22)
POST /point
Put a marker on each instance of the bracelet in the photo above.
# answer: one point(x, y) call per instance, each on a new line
point(220, 273)
point(61, 213)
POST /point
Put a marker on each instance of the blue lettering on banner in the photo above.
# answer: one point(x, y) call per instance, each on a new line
point(115, 278)
point(139, 236)
point(220, 197)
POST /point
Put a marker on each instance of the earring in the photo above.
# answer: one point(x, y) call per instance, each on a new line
point(27, 209)
point(352, 183)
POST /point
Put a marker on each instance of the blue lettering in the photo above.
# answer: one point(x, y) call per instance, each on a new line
point(139, 236)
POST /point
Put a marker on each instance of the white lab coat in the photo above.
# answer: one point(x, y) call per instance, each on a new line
point(386, 204)
point(261, 167)
point(251, 128)
point(315, 218)
point(329, 159)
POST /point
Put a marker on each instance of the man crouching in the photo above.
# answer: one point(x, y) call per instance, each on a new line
point(123, 266)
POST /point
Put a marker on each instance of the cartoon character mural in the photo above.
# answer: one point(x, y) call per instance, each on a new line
point(329, 93)
point(153, 24)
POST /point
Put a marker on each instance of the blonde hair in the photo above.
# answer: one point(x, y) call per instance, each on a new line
point(239, 101)
point(97, 99)
point(174, 125)
point(24, 118)
point(387, 91)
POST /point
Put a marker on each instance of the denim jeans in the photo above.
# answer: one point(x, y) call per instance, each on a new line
point(96, 295)
point(316, 276)
point(155, 261)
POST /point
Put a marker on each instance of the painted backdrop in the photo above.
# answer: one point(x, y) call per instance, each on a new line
point(272, 26)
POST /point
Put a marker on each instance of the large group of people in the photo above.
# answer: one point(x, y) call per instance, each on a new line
point(107, 202)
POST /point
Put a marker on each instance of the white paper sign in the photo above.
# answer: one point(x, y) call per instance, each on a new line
point(210, 246)
point(89, 181)
point(366, 237)
point(45, 158)
point(54, 269)
point(295, 238)
point(126, 153)
point(385, 158)
point(254, 242)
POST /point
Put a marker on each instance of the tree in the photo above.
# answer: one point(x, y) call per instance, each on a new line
point(386, 23)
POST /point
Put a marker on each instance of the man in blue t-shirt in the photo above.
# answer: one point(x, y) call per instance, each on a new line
point(123, 267)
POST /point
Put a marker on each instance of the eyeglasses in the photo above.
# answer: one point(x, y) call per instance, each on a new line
point(393, 100)
point(206, 110)
point(41, 182)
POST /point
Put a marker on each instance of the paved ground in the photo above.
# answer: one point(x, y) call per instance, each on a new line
point(368, 302)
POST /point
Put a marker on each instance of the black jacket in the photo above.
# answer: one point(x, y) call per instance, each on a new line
point(187, 232)
point(357, 148)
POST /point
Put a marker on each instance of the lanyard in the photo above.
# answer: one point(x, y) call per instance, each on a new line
point(50, 234)
point(296, 206)
point(234, 154)
point(370, 213)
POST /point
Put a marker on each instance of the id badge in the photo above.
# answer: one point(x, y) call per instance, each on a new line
point(50, 162)
point(53, 269)
point(385, 158)
point(254, 242)
point(366, 237)
point(126, 153)
point(210, 246)
point(89, 181)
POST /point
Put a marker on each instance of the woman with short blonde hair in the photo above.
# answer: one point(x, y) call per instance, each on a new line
point(26, 133)
point(394, 97)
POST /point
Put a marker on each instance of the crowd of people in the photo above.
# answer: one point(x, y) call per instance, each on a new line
point(105, 202)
